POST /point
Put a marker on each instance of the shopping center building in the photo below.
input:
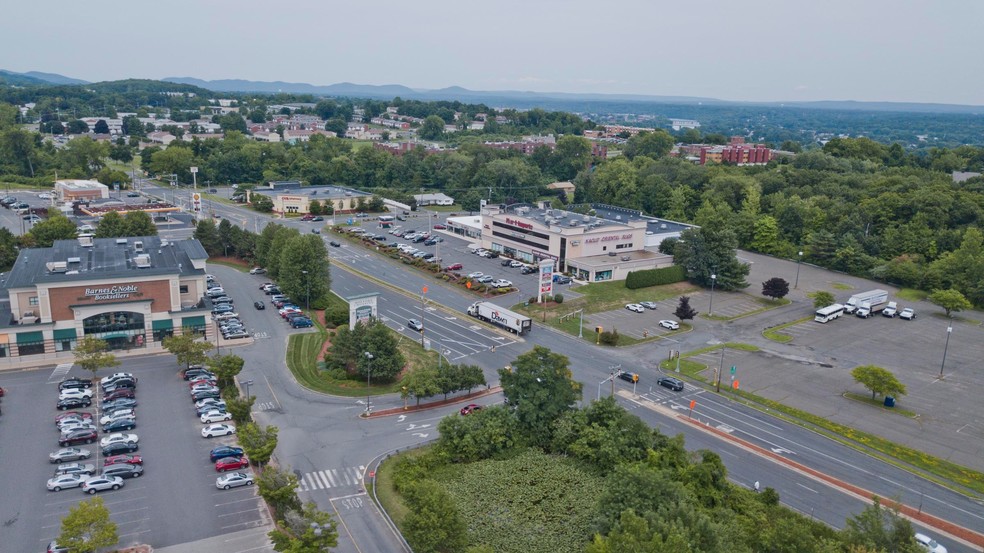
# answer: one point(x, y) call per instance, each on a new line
point(131, 292)
point(291, 197)
point(605, 245)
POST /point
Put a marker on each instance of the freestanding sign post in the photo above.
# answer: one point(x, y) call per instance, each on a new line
point(546, 279)
point(362, 309)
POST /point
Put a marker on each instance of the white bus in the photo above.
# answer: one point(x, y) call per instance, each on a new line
point(829, 313)
point(386, 221)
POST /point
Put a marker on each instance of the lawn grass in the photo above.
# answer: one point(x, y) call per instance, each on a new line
point(911, 294)
point(386, 491)
point(841, 286)
point(237, 266)
point(880, 404)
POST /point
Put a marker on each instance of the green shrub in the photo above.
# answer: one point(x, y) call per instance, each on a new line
point(337, 374)
point(559, 298)
point(609, 338)
point(532, 300)
point(655, 277)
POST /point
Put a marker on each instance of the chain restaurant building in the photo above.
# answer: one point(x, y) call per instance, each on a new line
point(131, 292)
point(591, 248)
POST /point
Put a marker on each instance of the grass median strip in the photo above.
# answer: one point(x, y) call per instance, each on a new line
point(776, 335)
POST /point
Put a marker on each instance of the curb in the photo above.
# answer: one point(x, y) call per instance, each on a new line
point(433, 405)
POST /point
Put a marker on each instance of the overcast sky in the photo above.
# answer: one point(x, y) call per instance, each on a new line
point(783, 50)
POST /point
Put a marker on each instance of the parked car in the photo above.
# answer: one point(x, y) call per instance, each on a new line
point(123, 470)
point(908, 314)
point(118, 403)
point(203, 395)
point(502, 283)
point(73, 403)
point(224, 451)
point(672, 325)
point(259, 305)
point(69, 454)
point(476, 275)
point(440, 227)
point(301, 322)
point(86, 469)
point(124, 459)
point(199, 411)
point(486, 279)
point(236, 335)
point(65, 481)
point(515, 264)
point(527, 270)
point(215, 415)
point(226, 464)
point(117, 414)
point(562, 279)
point(234, 480)
point(257, 271)
point(635, 307)
point(454, 267)
point(119, 437)
point(120, 393)
point(929, 544)
point(119, 449)
point(193, 373)
point(669, 382)
point(334, 244)
point(221, 429)
point(648, 304)
point(102, 483)
point(84, 436)
point(74, 383)
point(125, 423)
point(210, 401)
point(75, 393)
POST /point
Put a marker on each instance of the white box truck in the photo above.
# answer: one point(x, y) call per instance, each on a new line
point(509, 320)
point(874, 299)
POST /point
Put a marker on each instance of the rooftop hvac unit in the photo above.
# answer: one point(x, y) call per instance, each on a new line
point(85, 240)
point(121, 241)
point(573, 223)
point(586, 218)
point(662, 226)
point(56, 266)
point(142, 261)
point(138, 245)
point(75, 260)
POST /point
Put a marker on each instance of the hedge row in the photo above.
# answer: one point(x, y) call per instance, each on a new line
point(655, 277)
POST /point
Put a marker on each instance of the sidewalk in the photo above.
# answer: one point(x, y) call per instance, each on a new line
point(252, 540)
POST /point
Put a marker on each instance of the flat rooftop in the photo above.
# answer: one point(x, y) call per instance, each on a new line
point(106, 259)
point(314, 192)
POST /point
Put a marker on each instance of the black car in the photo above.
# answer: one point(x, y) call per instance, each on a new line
point(205, 394)
point(119, 448)
point(192, 374)
point(669, 382)
point(74, 403)
point(562, 279)
point(119, 425)
point(629, 377)
point(527, 270)
point(335, 244)
point(121, 384)
point(492, 255)
point(69, 383)
point(506, 262)
point(118, 403)
point(259, 305)
point(123, 470)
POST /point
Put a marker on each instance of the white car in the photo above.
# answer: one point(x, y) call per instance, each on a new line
point(75, 393)
point(210, 401)
point(672, 325)
point(635, 307)
point(476, 275)
point(908, 314)
point(220, 429)
point(114, 377)
point(119, 438)
point(234, 479)
point(929, 544)
point(215, 416)
point(73, 425)
point(257, 271)
point(124, 413)
point(44, 196)
point(65, 481)
point(515, 264)
point(501, 283)
point(226, 316)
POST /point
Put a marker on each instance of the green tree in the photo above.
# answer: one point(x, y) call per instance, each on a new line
point(240, 408)
point(187, 349)
point(432, 524)
point(602, 434)
point(8, 249)
point(306, 531)
point(349, 349)
point(84, 155)
point(822, 298)
point(878, 380)
point(208, 235)
point(87, 527)
point(139, 223)
point(950, 300)
point(571, 156)
point(481, 435)
point(880, 529)
point(91, 355)
point(540, 387)
point(279, 488)
point(423, 382)
point(226, 367)
point(303, 272)
point(111, 225)
point(101, 127)
point(432, 128)
point(176, 160)
point(775, 288)
point(766, 235)
point(77, 126)
point(56, 227)
point(654, 144)
point(705, 252)
point(258, 443)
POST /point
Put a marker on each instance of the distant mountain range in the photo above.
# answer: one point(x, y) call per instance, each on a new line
point(515, 98)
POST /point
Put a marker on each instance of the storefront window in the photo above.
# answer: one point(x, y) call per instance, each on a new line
point(33, 348)
point(603, 275)
point(120, 329)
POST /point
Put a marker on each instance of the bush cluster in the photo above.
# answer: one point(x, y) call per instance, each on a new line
point(655, 277)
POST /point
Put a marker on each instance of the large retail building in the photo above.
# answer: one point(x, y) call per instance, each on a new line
point(605, 245)
point(131, 292)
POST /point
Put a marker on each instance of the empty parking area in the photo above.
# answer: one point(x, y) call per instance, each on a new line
point(175, 501)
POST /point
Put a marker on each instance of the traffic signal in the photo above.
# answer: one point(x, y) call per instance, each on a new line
point(635, 378)
point(599, 329)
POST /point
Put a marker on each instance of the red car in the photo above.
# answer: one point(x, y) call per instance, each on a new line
point(470, 408)
point(198, 380)
point(124, 459)
point(73, 414)
point(78, 437)
point(454, 267)
point(122, 392)
point(2, 392)
point(440, 227)
point(231, 463)
point(307, 217)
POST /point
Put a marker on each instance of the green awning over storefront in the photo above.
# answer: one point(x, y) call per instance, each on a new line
point(30, 337)
point(65, 334)
point(193, 322)
point(166, 324)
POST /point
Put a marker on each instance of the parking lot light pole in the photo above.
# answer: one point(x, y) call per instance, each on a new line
point(710, 308)
point(247, 383)
point(370, 357)
point(949, 330)
point(798, 261)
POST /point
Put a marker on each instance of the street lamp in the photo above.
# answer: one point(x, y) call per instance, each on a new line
point(710, 308)
point(247, 383)
point(798, 261)
point(949, 330)
point(307, 301)
point(369, 357)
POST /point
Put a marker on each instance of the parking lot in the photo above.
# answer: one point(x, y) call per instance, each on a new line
point(175, 501)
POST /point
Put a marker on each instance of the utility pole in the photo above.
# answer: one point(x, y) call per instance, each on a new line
point(717, 381)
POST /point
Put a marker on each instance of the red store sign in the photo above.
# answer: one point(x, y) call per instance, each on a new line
point(519, 224)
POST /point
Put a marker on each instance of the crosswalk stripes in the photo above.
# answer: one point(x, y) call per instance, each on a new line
point(265, 406)
point(330, 478)
point(60, 371)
